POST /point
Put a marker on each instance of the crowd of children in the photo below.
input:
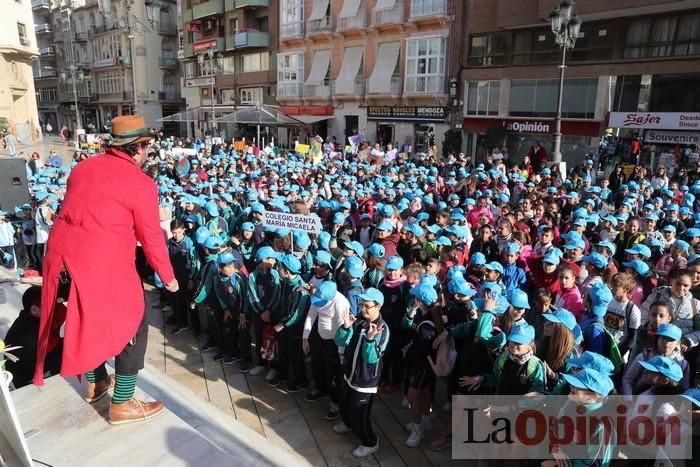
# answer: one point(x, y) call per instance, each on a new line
point(568, 288)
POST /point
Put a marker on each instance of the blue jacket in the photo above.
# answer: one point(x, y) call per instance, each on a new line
point(363, 357)
point(595, 338)
point(514, 277)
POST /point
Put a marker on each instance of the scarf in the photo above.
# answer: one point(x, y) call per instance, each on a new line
point(395, 283)
point(520, 359)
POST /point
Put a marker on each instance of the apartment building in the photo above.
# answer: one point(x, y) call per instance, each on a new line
point(44, 69)
point(378, 68)
point(630, 56)
point(228, 56)
point(18, 47)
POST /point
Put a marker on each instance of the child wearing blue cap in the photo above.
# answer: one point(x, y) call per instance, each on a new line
point(204, 292)
point(376, 263)
point(230, 289)
point(184, 261)
point(394, 288)
point(485, 244)
point(513, 275)
point(43, 220)
point(322, 270)
point(244, 242)
point(560, 342)
point(667, 343)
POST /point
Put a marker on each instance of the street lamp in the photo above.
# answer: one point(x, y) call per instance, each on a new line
point(74, 76)
point(566, 27)
point(212, 73)
point(152, 14)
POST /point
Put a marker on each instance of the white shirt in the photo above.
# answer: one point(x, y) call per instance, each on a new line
point(7, 234)
point(330, 317)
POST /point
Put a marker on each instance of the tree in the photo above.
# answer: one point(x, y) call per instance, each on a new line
point(452, 142)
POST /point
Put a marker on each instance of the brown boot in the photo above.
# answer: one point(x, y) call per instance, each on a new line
point(133, 410)
point(98, 389)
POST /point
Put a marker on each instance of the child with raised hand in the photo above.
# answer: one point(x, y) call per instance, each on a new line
point(365, 339)
point(667, 344)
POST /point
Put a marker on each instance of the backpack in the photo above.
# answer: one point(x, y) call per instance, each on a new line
point(270, 345)
point(614, 354)
point(445, 356)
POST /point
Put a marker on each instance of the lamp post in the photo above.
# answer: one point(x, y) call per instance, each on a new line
point(212, 73)
point(565, 26)
point(127, 23)
point(73, 76)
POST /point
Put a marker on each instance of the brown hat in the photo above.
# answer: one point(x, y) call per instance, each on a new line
point(129, 129)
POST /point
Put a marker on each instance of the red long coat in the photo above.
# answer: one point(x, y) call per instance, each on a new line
point(109, 205)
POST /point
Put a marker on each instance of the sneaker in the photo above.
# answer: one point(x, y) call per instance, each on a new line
point(447, 407)
point(256, 370)
point(230, 360)
point(364, 451)
point(271, 374)
point(274, 382)
point(404, 403)
point(333, 413)
point(292, 388)
point(426, 424)
point(342, 428)
point(415, 437)
point(219, 357)
point(246, 367)
point(314, 396)
point(209, 347)
point(177, 331)
point(443, 442)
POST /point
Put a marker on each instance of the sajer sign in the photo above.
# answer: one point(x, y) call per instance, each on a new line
point(655, 120)
point(298, 222)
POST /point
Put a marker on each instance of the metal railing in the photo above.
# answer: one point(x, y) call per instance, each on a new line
point(168, 62)
point(434, 84)
point(170, 95)
point(41, 28)
point(291, 89)
point(46, 51)
point(391, 15)
point(353, 22)
point(319, 26)
point(420, 8)
point(40, 5)
point(290, 30)
point(395, 87)
point(358, 88)
point(81, 36)
point(318, 90)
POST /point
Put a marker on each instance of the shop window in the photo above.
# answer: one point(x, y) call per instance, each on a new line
point(487, 50)
point(483, 97)
point(663, 37)
point(626, 97)
point(538, 97)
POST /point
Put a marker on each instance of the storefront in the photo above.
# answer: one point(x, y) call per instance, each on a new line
point(411, 127)
point(316, 122)
point(578, 136)
point(668, 137)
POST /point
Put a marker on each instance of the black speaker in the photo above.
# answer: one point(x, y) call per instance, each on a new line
point(13, 183)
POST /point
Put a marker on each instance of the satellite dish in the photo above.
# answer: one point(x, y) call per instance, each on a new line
point(121, 23)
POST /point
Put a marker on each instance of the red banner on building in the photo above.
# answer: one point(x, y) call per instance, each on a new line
point(195, 26)
point(203, 46)
point(533, 126)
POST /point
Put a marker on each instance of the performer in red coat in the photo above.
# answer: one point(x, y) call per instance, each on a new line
point(110, 203)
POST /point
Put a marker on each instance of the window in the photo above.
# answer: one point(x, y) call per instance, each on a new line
point(483, 97)
point(663, 37)
point(107, 47)
point(229, 65)
point(290, 75)
point(255, 62)
point(627, 93)
point(675, 93)
point(22, 31)
point(487, 50)
point(291, 18)
point(538, 97)
point(594, 43)
point(427, 7)
point(110, 83)
point(189, 70)
point(425, 65)
point(251, 96)
point(234, 25)
point(48, 95)
point(534, 47)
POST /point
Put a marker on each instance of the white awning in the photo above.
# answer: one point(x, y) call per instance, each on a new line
point(350, 8)
point(352, 59)
point(319, 67)
point(312, 118)
point(387, 55)
point(318, 10)
point(385, 4)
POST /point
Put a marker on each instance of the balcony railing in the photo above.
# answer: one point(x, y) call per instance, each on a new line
point(358, 89)
point(169, 95)
point(42, 28)
point(46, 51)
point(81, 36)
point(420, 8)
point(393, 15)
point(353, 22)
point(251, 39)
point(394, 87)
point(169, 63)
point(167, 28)
point(317, 90)
point(46, 74)
point(434, 84)
point(251, 3)
point(204, 9)
point(293, 89)
point(291, 30)
point(40, 5)
point(319, 26)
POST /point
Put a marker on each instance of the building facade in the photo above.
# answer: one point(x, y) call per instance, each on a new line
point(631, 56)
point(228, 57)
point(94, 50)
point(18, 46)
point(44, 68)
point(382, 69)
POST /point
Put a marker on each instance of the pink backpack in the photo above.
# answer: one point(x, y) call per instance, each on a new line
point(445, 356)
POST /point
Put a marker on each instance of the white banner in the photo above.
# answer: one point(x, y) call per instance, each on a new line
point(656, 120)
point(177, 152)
point(671, 137)
point(308, 224)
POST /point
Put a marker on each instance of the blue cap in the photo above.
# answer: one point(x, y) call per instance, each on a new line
point(609, 245)
point(638, 266)
point(201, 235)
point(302, 240)
point(324, 257)
point(596, 260)
point(511, 248)
point(494, 266)
point(257, 207)
point(434, 228)
point(372, 295)
point(444, 241)
point(425, 293)
point(592, 361)
point(225, 258)
point(693, 395)
point(354, 267)
point(266, 252)
point(356, 247)
point(518, 299)
point(669, 228)
point(394, 263)
point(477, 259)
point(212, 243)
point(385, 225)
point(376, 250)
point(670, 331)
point(248, 227)
point(639, 249)
point(574, 244)
point(291, 262)
point(522, 334)
point(592, 380)
point(339, 218)
point(324, 293)
point(551, 258)
point(692, 232)
point(682, 244)
point(415, 229)
point(600, 297)
point(460, 287)
point(665, 366)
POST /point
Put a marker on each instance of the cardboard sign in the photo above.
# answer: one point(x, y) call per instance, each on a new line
point(298, 222)
point(239, 145)
point(302, 148)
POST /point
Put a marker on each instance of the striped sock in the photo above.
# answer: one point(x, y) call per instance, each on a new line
point(124, 388)
point(98, 374)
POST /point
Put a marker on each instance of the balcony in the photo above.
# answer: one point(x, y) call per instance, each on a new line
point(81, 36)
point(168, 63)
point(85, 66)
point(202, 45)
point(167, 29)
point(88, 99)
point(428, 10)
point(350, 23)
point(42, 28)
point(433, 84)
point(293, 89)
point(38, 5)
point(319, 26)
point(292, 30)
point(125, 61)
point(250, 39)
point(46, 74)
point(169, 95)
point(358, 89)
point(388, 16)
point(321, 91)
point(210, 8)
point(395, 87)
point(46, 52)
